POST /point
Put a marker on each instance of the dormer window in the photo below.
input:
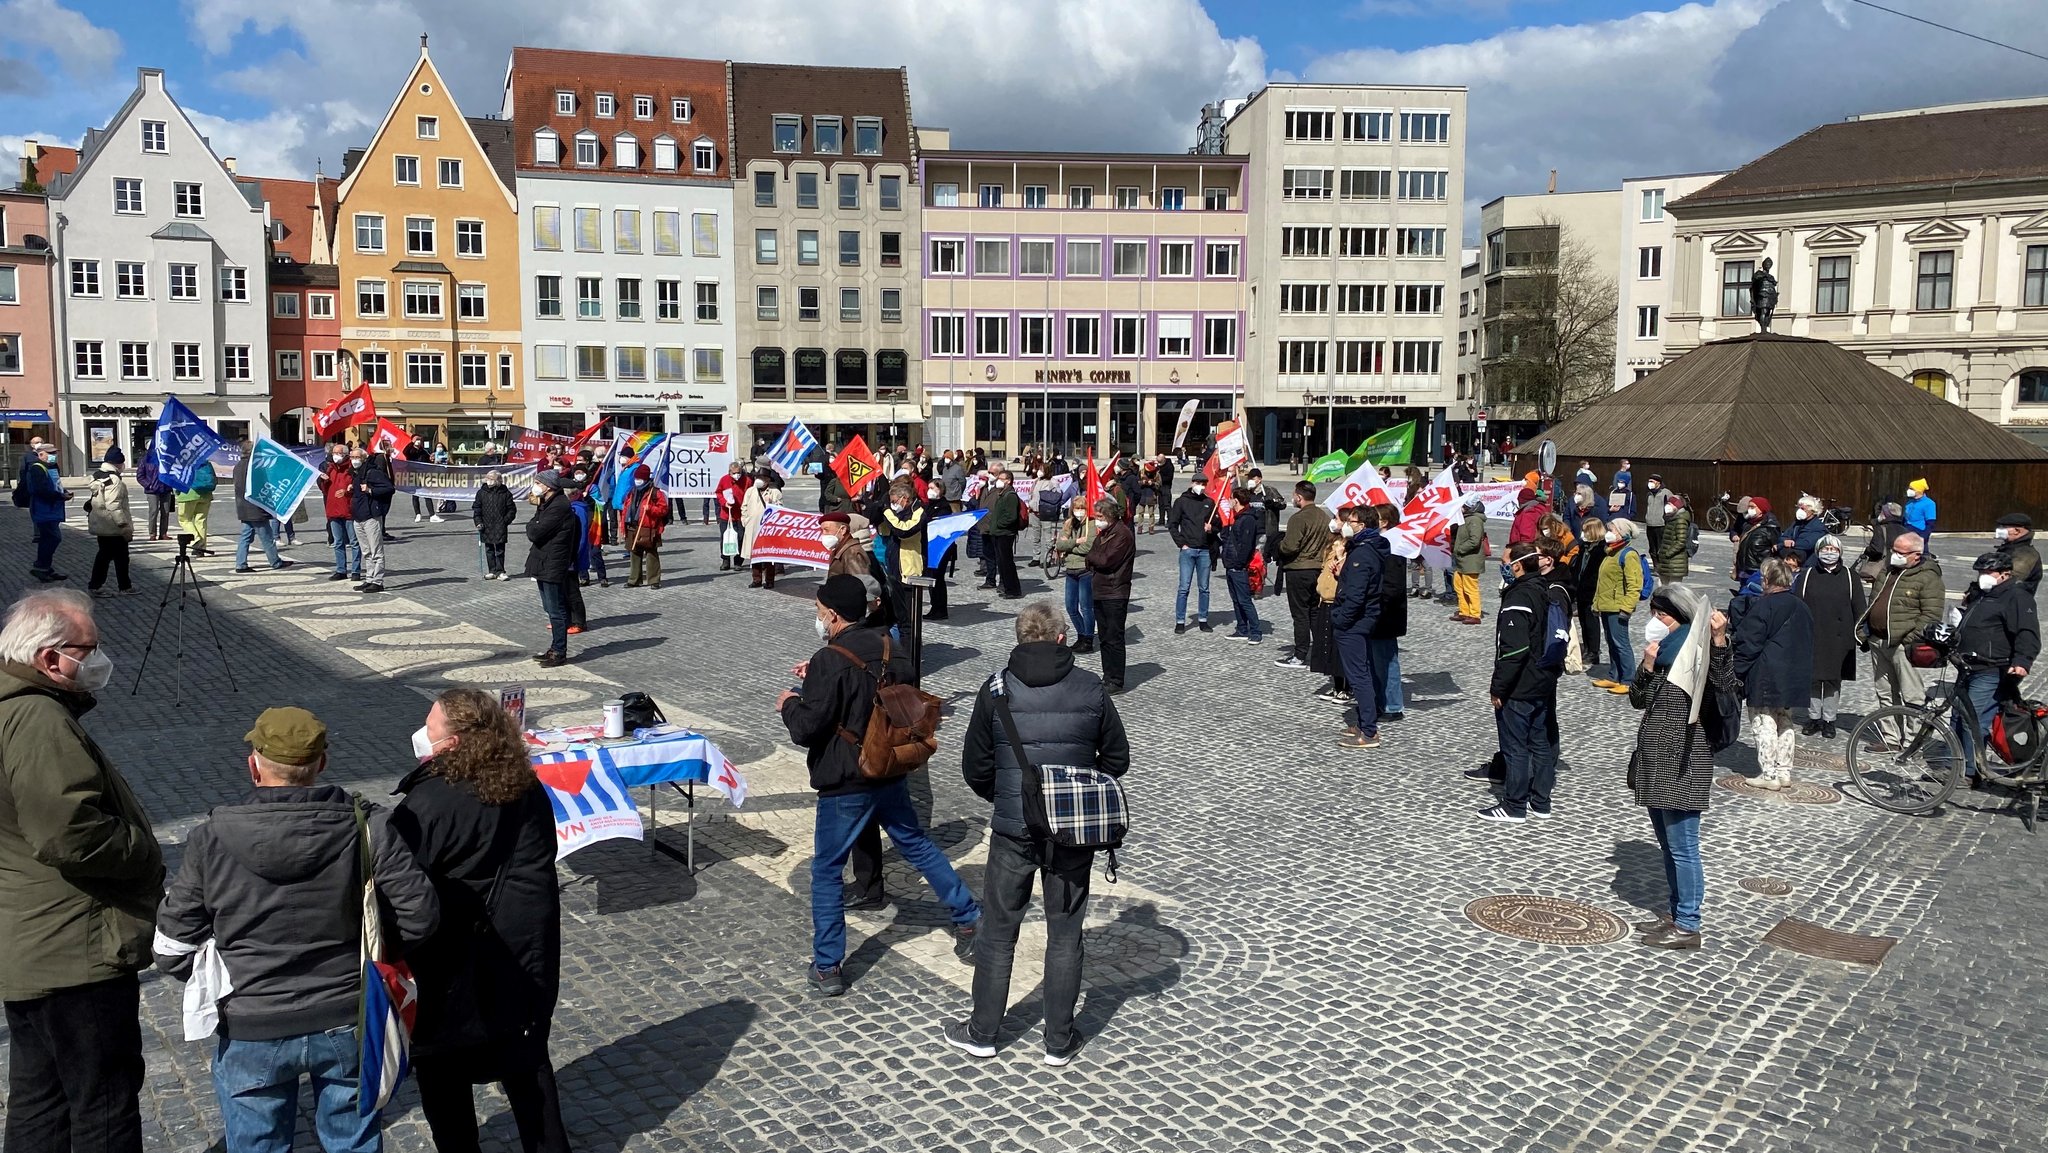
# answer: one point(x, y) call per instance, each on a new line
point(586, 149)
point(704, 155)
point(679, 110)
point(547, 147)
point(867, 135)
point(607, 105)
point(665, 153)
point(643, 107)
point(825, 134)
point(153, 136)
point(625, 151)
point(789, 133)
point(565, 104)
point(428, 128)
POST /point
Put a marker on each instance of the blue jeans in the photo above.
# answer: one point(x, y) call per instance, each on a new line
point(261, 533)
point(49, 534)
point(1678, 834)
point(1623, 662)
point(1242, 604)
point(1385, 654)
point(348, 549)
point(1192, 561)
point(840, 821)
point(1531, 758)
point(556, 605)
point(1981, 687)
point(257, 1083)
point(1354, 656)
point(1081, 604)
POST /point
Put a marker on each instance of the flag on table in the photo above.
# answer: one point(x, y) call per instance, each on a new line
point(582, 438)
point(590, 801)
point(1329, 467)
point(388, 438)
point(943, 531)
point(792, 447)
point(278, 479)
point(1388, 446)
point(355, 407)
point(855, 466)
point(182, 443)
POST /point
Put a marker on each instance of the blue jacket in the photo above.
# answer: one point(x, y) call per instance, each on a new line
point(1773, 645)
point(46, 495)
point(1920, 513)
point(1240, 538)
point(1805, 537)
point(1357, 607)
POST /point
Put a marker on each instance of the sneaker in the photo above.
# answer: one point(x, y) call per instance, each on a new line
point(102, 594)
point(282, 564)
point(1672, 937)
point(1290, 663)
point(436, 518)
point(1327, 693)
point(1180, 629)
point(1235, 635)
point(1501, 813)
point(418, 517)
point(1542, 814)
point(1063, 1056)
point(959, 1037)
point(1359, 741)
point(824, 982)
point(1252, 639)
point(1344, 697)
point(963, 940)
point(1482, 773)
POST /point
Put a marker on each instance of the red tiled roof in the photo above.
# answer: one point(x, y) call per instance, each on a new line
point(538, 73)
point(291, 204)
point(760, 91)
point(54, 160)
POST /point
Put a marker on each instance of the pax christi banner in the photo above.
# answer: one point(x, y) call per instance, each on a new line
point(787, 536)
point(278, 479)
point(696, 462)
point(355, 407)
point(856, 466)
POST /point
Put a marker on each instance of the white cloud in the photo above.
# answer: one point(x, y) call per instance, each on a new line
point(82, 48)
point(10, 151)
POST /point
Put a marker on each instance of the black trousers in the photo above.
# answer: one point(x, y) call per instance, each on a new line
point(936, 598)
point(867, 864)
point(113, 551)
point(447, 1084)
point(1006, 897)
point(74, 1075)
point(1590, 632)
point(1109, 638)
point(1301, 606)
point(1656, 532)
point(572, 599)
point(1002, 552)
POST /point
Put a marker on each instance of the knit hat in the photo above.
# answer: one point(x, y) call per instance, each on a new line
point(846, 595)
point(1763, 506)
point(547, 478)
point(1917, 486)
point(642, 472)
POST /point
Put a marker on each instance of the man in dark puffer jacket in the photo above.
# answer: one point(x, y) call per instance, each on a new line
point(1064, 717)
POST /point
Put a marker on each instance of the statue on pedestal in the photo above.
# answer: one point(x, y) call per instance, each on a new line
point(1763, 296)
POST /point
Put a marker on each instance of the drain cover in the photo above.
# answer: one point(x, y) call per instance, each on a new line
point(1812, 758)
point(1767, 886)
point(1817, 941)
point(1797, 793)
point(1546, 920)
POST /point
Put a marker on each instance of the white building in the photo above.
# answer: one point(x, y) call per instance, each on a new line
point(1644, 296)
point(161, 282)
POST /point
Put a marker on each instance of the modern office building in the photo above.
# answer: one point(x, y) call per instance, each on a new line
point(304, 303)
point(1079, 300)
point(627, 239)
point(161, 253)
point(828, 211)
point(1355, 195)
point(28, 361)
point(1643, 297)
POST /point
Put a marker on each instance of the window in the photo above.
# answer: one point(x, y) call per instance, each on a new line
point(1304, 240)
point(1128, 196)
point(1219, 336)
point(2034, 293)
point(469, 238)
point(88, 358)
point(631, 361)
point(626, 230)
point(668, 300)
point(849, 190)
point(892, 306)
point(1419, 299)
point(607, 105)
point(707, 301)
point(1934, 281)
point(767, 303)
point(589, 230)
point(867, 135)
point(710, 365)
point(1420, 242)
point(505, 371)
point(890, 192)
point(992, 335)
point(1646, 321)
point(185, 363)
point(764, 246)
point(770, 378)
point(1173, 199)
point(625, 151)
point(320, 305)
point(849, 249)
point(134, 360)
point(1176, 336)
point(1365, 184)
point(806, 246)
point(547, 227)
point(547, 147)
point(85, 278)
point(679, 110)
point(470, 302)
point(849, 305)
point(405, 169)
point(187, 200)
point(991, 257)
point(370, 231)
point(586, 149)
point(234, 284)
point(1034, 336)
point(127, 195)
point(589, 298)
point(991, 196)
point(1126, 335)
point(1653, 204)
point(1305, 184)
point(764, 190)
point(670, 366)
point(891, 255)
point(1735, 276)
point(1361, 357)
point(1362, 298)
point(565, 103)
point(1304, 298)
point(419, 235)
point(643, 107)
point(235, 363)
point(2033, 387)
point(153, 138)
point(1425, 128)
point(547, 296)
point(1176, 258)
point(1310, 125)
point(426, 128)
point(806, 190)
point(1369, 127)
point(703, 156)
point(10, 284)
point(1220, 258)
point(949, 257)
point(323, 366)
point(131, 279)
point(1034, 196)
point(185, 281)
point(1084, 258)
point(1084, 336)
point(1831, 284)
point(590, 362)
point(1034, 258)
point(473, 370)
point(945, 195)
point(1304, 357)
point(424, 370)
point(1080, 196)
point(1417, 357)
point(628, 289)
point(807, 306)
point(370, 298)
point(789, 132)
point(949, 334)
point(1215, 199)
point(1127, 258)
point(1650, 262)
point(423, 299)
point(666, 155)
point(1424, 184)
point(375, 368)
point(826, 132)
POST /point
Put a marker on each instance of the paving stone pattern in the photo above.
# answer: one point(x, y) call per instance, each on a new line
point(1286, 964)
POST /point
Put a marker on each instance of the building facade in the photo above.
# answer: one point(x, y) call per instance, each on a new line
point(28, 361)
point(161, 256)
point(1080, 300)
point(304, 304)
point(1520, 245)
point(1643, 297)
point(828, 209)
point(1917, 239)
point(430, 270)
point(627, 239)
point(1355, 196)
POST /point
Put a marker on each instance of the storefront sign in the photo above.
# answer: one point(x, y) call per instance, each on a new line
point(31, 415)
point(114, 410)
point(1345, 399)
point(1081, 376)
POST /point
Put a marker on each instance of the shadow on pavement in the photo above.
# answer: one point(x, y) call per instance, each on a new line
point(633, 1085)
point(614, 648)
point(1639, 875)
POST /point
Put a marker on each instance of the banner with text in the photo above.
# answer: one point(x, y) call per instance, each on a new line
point(531, 445)
point(787, 536)
point(696, 463)
point(278, 478)
point(457, 482)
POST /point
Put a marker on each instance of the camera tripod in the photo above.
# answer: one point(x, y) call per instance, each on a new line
point(185, 581)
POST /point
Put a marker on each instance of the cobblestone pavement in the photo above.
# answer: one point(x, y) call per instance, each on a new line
point(1286, 964)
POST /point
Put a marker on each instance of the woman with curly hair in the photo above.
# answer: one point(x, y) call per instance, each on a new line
point(481, 827)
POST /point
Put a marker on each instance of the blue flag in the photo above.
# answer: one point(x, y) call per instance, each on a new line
point(182, 443)
point(945, 530)
point(278, 479)
point(654, 456)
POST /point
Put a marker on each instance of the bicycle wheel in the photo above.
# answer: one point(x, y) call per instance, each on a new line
point(1904, 759)
point(1717, 519)
point(1836, 520)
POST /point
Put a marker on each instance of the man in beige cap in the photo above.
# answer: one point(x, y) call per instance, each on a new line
point(273, 882)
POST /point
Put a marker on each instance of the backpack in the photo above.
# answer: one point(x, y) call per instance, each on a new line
point(1692, 537)
point(903, 724)
point(1071, 806)
point(1649, 577)
point(641, 712)
point(2016, 731)
point(1559, 631)
point(21, 490)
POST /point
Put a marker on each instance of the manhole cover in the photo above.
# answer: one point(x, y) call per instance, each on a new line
point(1817, 941)
point(1828, 759)
point(1546, 920)
point(1797, 793)
point(1767, 886)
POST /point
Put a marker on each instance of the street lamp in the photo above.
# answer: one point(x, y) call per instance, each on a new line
point(6, 438)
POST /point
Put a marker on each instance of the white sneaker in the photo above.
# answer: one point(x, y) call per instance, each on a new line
point(436, 518)
point(418, 517)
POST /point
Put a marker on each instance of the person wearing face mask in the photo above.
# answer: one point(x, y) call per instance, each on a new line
point(1238, 543)
point(1322, 650)
point(2015, 533)
point(46, 497)
point(902, 531)
point(106, 515)
point(1523, 691)
point(1653, 516)
point(1671, 545)
point(1191, 523)
point(255, 519)
point(1920, 512)
point(1110, 560)
point(1906, 601)
point(551, 560)
point(643, 518)
point(1806, 532)
point(845, 551)
point(84, 875)
point(1352, 619)
point(759, 499)
point(1834, 597)
point(1760, 540)
point(493, 513)
point(337, 500)
point(729, 498)
point(1877, 552)
point(1774, 661)
point(369, 501)
point(1619, 590)
point(1070, 556)
point(1302, 549)
point(274, 883)
point(163, 499)
point(1999, 639)
point(999, 531)
point(1469, 546)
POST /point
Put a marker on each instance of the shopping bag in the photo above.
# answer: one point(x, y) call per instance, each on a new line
point(389, 1002)
point(729, 542)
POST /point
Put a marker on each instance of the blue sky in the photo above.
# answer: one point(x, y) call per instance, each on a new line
point(1598, 89)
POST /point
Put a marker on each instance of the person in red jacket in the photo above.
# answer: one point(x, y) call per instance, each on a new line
point(641, 520)
point(337, 493)
point(727, 497)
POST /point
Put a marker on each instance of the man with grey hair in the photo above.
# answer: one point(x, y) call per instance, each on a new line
point(1063, 716)
point(80, 876)
point(1905, 602)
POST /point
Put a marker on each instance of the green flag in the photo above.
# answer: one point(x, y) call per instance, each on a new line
point(1335, 466)
point(1388, 446)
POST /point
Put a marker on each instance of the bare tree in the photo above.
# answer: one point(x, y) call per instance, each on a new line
point(1557, 347)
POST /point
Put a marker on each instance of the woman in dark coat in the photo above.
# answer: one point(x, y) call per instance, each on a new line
point(554, 532)
point(494, 511)
point(1587, 572)
point(1835, 597)
point(1774, 662)
point(482, 829)
point(1383, 647)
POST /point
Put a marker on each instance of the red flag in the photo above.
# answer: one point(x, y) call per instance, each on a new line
point(355, 407)
point(1094, 490)
point(1108, 470)
point(1218, 488)
point(856, 466)
point(388, 438)
point(583, 438)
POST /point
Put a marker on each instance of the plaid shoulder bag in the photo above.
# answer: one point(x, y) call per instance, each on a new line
point(1072, 806)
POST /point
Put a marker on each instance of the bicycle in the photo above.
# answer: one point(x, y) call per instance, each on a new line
point(1722, 514)
point(1915, 773)
point(1835, 515)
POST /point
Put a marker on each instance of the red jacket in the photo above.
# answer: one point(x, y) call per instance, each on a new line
point(337, 496)
point(730, 492)
point(1524, 525)
point(645, 515)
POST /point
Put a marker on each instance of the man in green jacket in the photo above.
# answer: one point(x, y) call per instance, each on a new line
point(1468, 560)
point(80, 878)
point(1671, 555)
point(999, 534)
point(1301, 551)
point(1904, 603)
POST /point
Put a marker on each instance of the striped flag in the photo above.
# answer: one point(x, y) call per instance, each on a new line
point(591, 803)
point(792, 447)
point(943, 531)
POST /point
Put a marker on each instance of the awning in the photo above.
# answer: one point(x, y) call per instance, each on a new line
point(780, 412)
point(432, 267)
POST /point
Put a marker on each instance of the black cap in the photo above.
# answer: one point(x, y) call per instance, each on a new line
point(2016, 520)
point(846, 595)
point(1993, 562)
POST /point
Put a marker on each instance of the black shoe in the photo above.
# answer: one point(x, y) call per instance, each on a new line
point(1810, 729)
point(963, 940)
point(1116, 688)
point(340, 576)
point(1180, 629)
point(282, 564)
point(1671, 937)
point(1204, 626)
point(553, 661)
point(1058, 1058)
point(867, 904)
point(935, 616)
point(541, 656)
point(824, 982)
point(1482, 773)
point(960, 1037)
point(359, 586)
point(243, 569)
point(1828, 730)
point(1502, 813)
point(1393, 716)
point(1084, 645)
point(372, 587)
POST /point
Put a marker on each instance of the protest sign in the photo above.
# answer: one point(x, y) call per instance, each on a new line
point(182, 443)
point(457, 482)
point(532, 446)
point(696, 463)
point(787, 536)
point(278, 479)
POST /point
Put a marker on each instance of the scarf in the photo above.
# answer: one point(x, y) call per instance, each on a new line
point(1689, 656)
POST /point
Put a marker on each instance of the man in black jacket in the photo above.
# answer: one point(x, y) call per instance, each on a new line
point(1524, 689)
point(274, 883)
point(553, 533)
point(999, 531)
point(1353, 616)
point(1239, 543)
point(2015, 533)
point(370, 474)
point(1191, 522)
point(1110, 562)
point(1999, 638)
point(828, 716)
point(1064, 716)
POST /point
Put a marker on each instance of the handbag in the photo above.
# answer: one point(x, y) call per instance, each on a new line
point(390, 998)
point(1070, 806)
point(1574, 652)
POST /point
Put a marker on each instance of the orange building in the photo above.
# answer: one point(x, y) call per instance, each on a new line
point(429, 268)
